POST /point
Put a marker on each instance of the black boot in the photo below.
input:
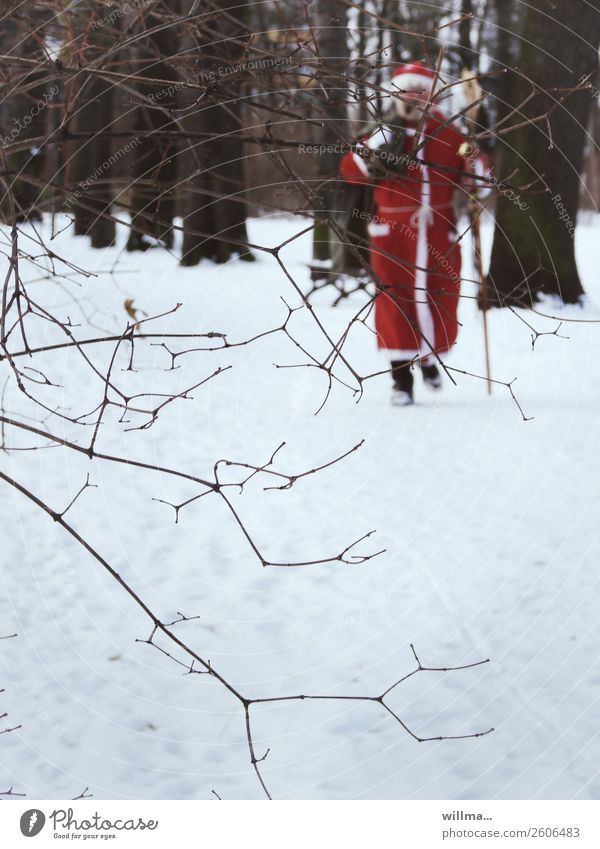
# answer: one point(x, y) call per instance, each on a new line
point(431, 376)
point(402, 393)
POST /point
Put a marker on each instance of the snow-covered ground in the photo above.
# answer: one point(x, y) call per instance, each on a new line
point(490, 526)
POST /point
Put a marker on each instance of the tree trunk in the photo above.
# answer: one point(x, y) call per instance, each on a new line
point(533, 248)
point(214, 206)
point(23, 116)
point(92, 105)
point(505, 53)
point(154, 161)
point(330, 26)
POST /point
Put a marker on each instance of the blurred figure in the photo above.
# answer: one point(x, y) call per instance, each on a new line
point(412, 232)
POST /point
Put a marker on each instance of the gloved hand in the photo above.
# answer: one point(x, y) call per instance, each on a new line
point(390, 157)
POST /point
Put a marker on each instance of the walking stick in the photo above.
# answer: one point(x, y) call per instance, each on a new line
point(476, 229)
point(472, 92)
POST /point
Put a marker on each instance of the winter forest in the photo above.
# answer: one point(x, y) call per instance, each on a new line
point(299, 422)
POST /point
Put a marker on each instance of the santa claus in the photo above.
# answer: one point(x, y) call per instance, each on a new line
point(415, 164)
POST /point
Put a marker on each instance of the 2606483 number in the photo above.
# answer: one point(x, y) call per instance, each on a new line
point(554, 832)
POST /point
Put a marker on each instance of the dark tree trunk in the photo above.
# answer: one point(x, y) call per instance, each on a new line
point(330, 22)
point(24, 116)
point(93, 115)
point(590, 190)
point(508, 17)
point(154, 164)
point(361, 66)
point(533, 248)
point(213, 204)
point(407, 37)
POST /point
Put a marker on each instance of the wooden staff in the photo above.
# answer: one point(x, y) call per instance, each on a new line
point(475, 215)
point(472, 93)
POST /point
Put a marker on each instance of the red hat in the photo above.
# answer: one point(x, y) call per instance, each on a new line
point(414, 76)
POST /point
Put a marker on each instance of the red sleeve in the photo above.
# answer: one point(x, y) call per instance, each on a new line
point(353, 168)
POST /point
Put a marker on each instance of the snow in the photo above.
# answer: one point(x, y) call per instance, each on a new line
point(489, 525)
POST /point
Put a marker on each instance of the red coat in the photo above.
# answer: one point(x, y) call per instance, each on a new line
point(413, 241)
